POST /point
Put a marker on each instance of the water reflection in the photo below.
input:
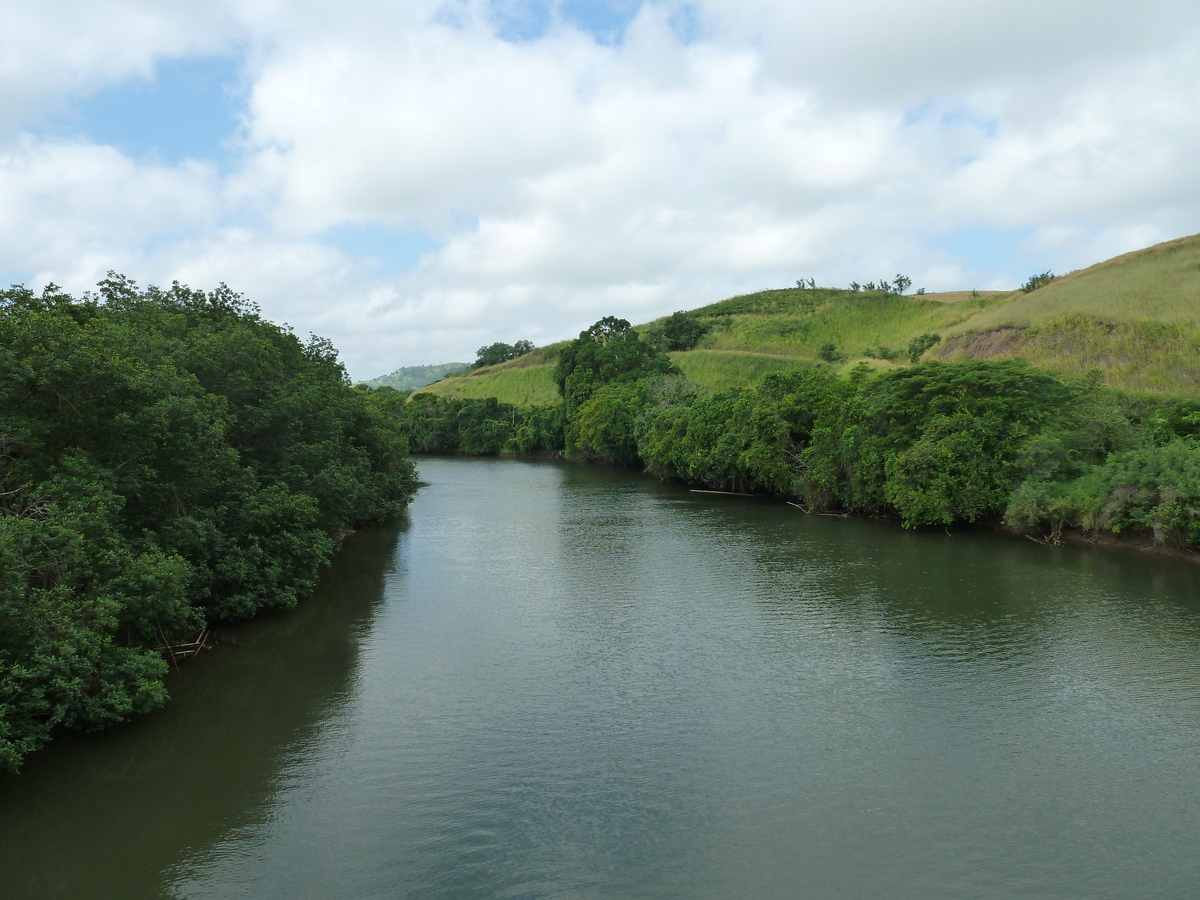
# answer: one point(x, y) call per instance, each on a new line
point(584, 683)
point(112, 815)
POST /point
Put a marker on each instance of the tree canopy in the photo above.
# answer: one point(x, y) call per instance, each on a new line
point(608, 351)
point(166, 458)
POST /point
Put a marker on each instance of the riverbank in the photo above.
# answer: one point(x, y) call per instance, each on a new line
point(559, 679)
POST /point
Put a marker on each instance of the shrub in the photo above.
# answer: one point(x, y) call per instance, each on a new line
point(1037, 281)
point(881, 352)
point(679, 331)
point(829, 353)
point(499, 352)
point(918, 345)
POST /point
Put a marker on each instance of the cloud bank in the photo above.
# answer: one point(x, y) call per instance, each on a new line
point(416, 179)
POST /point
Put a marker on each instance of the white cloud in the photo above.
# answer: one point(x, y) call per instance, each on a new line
point(564, 179)
point(70, 210)
point(56, 50)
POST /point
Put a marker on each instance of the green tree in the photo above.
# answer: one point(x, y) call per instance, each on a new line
point(166, 457)
point(608, 351)
point(499, 352)
point(1036, 281)
point(678, 331)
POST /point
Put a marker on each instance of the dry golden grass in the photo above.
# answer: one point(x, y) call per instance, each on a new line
point(1135, 317)
point(1160, 284)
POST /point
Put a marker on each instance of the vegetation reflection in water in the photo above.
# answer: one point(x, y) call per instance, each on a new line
point(568, 681)
point(112, 814)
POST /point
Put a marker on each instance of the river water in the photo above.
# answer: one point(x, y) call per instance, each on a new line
point(561, 681)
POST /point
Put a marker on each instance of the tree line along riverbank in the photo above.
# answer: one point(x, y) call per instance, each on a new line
point(168, 459)
point(933, 444)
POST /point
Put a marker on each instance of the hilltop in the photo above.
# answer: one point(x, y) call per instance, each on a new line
point(1135, 318)
point(413, 378)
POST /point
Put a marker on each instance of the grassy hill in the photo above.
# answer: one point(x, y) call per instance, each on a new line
point(1136, 318)
point(796, 323)
point(525, 381)
point(412, 378)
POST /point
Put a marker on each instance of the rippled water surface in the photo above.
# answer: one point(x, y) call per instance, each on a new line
point(558, 681)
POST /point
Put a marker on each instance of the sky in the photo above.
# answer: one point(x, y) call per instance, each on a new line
point(414, 179)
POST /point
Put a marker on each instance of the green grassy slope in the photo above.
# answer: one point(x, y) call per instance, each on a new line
point(796, 323)
point(530, 386)
point(525, 381)
point(721, 370)
point(1136, 318)
point(1160, 283)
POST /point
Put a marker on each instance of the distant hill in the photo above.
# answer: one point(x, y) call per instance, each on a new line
point(525, 381)
point(413, 378)
point(1136, 318)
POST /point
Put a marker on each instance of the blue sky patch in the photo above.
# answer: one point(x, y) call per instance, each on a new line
point(950, 114)
point(605, 21)
point(521, 20)
point(389, 252)
point(528, 20)
point(685, 23)
point(996, 251)
point(190, 109)
point(9, 277)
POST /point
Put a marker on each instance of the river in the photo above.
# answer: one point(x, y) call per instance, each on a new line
point(561, 681)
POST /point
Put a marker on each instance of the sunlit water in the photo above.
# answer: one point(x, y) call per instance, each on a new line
point(558, 681)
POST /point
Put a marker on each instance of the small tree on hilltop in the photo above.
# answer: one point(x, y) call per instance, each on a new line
point(679, 331)
point(1037, 281)
point(499, 352)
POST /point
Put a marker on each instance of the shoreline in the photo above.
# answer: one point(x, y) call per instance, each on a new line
point(1076, 537)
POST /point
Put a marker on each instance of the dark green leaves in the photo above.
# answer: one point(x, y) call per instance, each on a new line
point(165, 457)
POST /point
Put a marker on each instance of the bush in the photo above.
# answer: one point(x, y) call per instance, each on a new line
point(918, 345)
point(829, 353)
point(679, 331)
point(499, 352)
point(956, 472)
point(1152, 489)
point(1037, 281)
point(881, 352)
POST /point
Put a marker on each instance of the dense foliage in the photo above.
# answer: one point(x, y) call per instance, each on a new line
point(494, 354)
point(166, 458)
point(610, 351)
point(433, 424)
point(679, 331)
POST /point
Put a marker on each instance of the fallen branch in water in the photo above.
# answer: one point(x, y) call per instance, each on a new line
point(182, 651)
